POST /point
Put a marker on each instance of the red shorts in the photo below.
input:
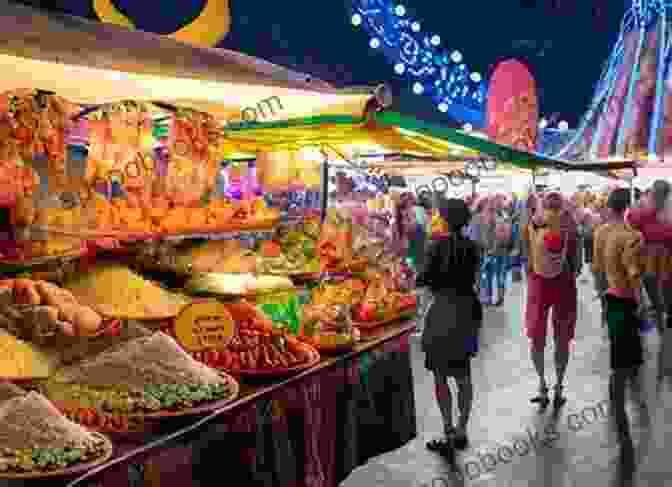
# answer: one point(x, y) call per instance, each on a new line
point(559, 293)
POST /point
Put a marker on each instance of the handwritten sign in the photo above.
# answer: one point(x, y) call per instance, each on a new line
point(204, 325)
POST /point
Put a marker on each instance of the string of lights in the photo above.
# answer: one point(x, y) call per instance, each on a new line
point(419, 57)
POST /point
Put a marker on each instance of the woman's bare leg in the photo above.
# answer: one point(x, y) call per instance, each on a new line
point(444, 398)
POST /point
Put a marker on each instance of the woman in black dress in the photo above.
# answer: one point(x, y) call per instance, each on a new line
point(453, 322)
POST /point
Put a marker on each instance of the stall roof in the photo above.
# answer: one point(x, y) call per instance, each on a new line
point(393, 132)
point(390, 132)
point(90, 62)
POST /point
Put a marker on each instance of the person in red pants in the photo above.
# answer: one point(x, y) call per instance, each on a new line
point(551, 284)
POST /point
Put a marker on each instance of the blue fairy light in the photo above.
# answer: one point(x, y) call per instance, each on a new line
point(418, 57)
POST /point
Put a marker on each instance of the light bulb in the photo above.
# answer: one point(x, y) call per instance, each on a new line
point(400, 10)
point(475, 77)
point(374, 43)
point(443, 107)
point(563, 126)
point(399, 68)
point(543, 123)
point(356, 20)
point(467, 127)
point(456, 56)
point(435, 40)
point(415, 26)
point(418, 89)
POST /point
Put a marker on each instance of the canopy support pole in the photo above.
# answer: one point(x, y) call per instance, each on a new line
point(324, 186)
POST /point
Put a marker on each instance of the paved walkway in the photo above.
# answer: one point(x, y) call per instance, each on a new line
point(512, 444)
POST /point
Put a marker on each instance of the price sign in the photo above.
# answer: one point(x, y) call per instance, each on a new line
point(204, 325)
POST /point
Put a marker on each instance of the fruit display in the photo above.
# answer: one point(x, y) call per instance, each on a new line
point(139, 378)
point(335, 244)
point(374, 298)
point(383, 302)
point(329, 327)
point(292, 252)
point(37, 440)
point(38, 310)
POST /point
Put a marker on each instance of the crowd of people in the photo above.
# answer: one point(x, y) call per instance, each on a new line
point(622, 237)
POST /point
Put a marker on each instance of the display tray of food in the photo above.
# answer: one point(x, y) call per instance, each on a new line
point(39, 441)
point(22, 361)
point(238, 285)
point(149, 377)
point(9, 264)
point(237, 338)
point(115, 291)
point(401, 315)
point(383, 304)
point(329, 328)
point(38, 319)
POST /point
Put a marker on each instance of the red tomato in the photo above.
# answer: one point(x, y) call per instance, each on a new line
point(213, 358)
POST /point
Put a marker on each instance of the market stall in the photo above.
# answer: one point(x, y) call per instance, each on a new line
point(165, 285)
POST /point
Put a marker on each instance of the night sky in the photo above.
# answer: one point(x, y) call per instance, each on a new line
point(565, 42)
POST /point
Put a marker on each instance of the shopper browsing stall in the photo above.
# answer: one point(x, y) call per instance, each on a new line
point(454, 319)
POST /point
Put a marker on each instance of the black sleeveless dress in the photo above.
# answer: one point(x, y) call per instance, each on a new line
point(453, 322)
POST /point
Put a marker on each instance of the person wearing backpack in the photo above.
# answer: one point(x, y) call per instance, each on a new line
point(551, 284)
point(497, 245)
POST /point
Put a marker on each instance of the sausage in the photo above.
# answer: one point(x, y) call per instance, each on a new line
point(68, 312)
point(26, 293)
point(54, 295)
point(86, 320)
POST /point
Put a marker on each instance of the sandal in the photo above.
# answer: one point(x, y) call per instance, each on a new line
point(558, 399)
point(460, 440)
point(435, 445)
point(542, 398)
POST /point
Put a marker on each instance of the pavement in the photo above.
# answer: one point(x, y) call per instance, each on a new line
point(512, 443)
